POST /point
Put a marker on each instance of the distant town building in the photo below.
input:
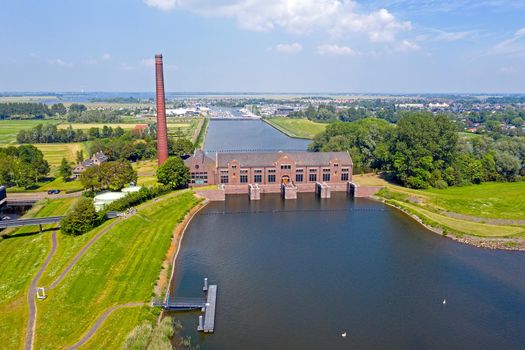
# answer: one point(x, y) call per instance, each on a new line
point(96, 159)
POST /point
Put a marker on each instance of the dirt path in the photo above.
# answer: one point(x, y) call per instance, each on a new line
point(31, 295)
point(100, 321)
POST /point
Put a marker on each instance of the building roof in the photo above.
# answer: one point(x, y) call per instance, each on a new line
point(269, 158)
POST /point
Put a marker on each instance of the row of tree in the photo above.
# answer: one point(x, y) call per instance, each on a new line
point(22, 166)
point(425, 150)
point(50, 133)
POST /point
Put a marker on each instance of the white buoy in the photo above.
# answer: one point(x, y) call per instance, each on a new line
point(205, 288)
point(343, 335)
point(444, 301)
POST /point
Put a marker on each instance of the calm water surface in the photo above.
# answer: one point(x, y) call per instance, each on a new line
point(296, 274)
point(248, 134)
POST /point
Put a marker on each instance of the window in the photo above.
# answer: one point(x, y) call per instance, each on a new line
point(271, 178)
point(345, 170)
point(244, 179)
point(336, 164)
point(286, 167)
point(298, 177)
point(234, 166)
point(325, 170)
point(271, 171)
point(224, 179)
point(257, 171)
point(344, 177)
point(313, 170)
point(326, 177)
point(312, 177)
point(299, 170)
point(244, 171)
point(257, 179)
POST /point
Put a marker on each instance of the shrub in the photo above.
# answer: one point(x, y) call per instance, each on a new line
point(81, 219)
point(440, 184)
point(136, 198)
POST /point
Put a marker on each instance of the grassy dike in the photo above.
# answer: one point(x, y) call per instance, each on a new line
point(297, 128)
point(21, 255)
point(122, 266)
point(490, 215)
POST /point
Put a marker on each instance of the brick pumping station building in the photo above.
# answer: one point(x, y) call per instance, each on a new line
point(254, 173)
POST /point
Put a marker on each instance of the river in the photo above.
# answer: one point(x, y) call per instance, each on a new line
point(296, 274)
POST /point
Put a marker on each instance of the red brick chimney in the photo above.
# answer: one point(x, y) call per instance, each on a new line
point(162, 128)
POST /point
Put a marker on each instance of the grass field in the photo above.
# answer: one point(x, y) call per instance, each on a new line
point(298, 128)
point(54, 152)
point(10, 128)
point(488, 203)
point(20, 257)
point(121, 267)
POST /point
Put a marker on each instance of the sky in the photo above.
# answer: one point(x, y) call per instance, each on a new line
point(331, 46)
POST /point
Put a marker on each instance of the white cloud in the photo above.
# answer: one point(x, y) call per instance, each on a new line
point(289, 48)
point(59, 62)
point(336, 17)
point(407, 46)
point(90, 61)
point(147, 62)
point(335, 50)
point(126, 67)
point(454, 36)
point(507, 70)
point(105, 57)
point(164, 5)
point(514, 46)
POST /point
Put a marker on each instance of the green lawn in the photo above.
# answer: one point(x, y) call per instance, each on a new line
point(20, 258)
point(121, 267)
point(298, 128)
point(10, 128)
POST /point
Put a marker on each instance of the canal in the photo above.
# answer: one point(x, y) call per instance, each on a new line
point(247, 135)
point(297, 274)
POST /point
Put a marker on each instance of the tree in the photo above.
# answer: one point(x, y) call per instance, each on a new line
point(80, 156)
point(81, 219)
point(65, 169)
point(174, 173)
point(58, 108)
point(181, 147)
point(108, 176)
point(78, 108)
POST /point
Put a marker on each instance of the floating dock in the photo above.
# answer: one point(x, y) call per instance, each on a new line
point(209, 312)
point(207, 306)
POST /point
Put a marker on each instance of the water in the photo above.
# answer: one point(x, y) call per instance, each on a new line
point(300, 272)
point(247, 135)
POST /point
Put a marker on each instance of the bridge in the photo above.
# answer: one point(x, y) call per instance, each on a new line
point(30, 222)
point(207, 305)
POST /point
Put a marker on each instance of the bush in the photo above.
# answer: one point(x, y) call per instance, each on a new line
point(440, 184)
point(136, 198)
point(81, 219)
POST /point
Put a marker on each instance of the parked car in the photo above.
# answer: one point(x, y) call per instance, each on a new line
point(53, 191)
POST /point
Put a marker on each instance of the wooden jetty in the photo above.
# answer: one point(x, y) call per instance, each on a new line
point(209, 313)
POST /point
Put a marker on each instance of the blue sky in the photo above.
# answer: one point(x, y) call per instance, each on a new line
point(393, 46)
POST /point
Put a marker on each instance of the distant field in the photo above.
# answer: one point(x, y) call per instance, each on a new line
point(4, 99)
point(298, 128)
point(10, 128)
point(54, 152)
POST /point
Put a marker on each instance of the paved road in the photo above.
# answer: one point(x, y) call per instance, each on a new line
point(100, 321)
point(36, 196)
point(31, 295)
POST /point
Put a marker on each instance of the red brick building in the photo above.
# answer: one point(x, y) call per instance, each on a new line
point(236, 171)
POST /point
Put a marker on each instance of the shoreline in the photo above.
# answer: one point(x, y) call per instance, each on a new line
point(164, 282)
point(284, 131)
point(478, 242)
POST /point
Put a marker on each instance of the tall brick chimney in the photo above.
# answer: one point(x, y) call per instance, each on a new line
point(162, 128)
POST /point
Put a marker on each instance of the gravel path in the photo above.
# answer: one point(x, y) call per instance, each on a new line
point(31, 295)
point(100, 321)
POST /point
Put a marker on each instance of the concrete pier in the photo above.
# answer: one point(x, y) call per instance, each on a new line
point(323, 190)
point(255, 192)
point(289, 191)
